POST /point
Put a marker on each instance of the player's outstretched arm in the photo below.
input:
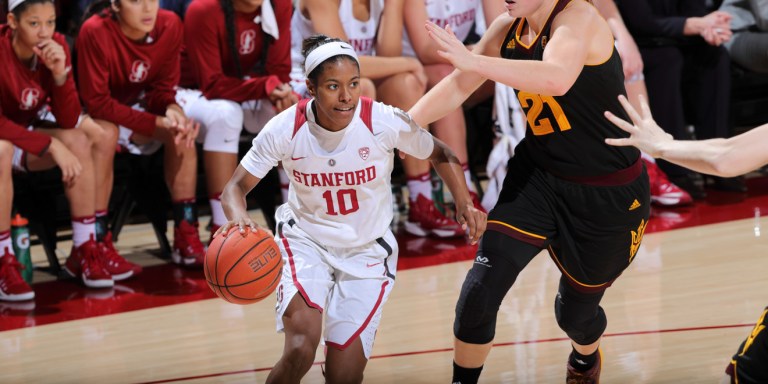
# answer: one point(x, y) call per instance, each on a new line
point(723, 157)
point(449, 168)
point(233, 201)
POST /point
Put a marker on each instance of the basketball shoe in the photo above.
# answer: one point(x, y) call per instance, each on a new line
point(424, 219)
point(663, 191)
point(591, 376)
point(116, 265)
point(12, 286)
point(87, 263)
point(476, 201)
point(188, 250)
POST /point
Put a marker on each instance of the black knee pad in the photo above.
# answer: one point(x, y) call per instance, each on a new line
point(582, 321)
point(475, 320)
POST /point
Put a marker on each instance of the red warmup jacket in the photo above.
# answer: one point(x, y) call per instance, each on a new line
point(114, 72)
point(24, 92)
point(210, 59)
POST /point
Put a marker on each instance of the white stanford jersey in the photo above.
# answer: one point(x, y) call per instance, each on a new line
point(342, 197)
point(459, 14)
point(361, 34)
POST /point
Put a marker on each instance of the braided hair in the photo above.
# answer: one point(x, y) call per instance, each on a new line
point(229, 22)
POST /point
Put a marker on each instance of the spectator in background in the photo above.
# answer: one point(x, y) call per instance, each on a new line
point(687, 73)
point(239, 56)
point(41, 127)
point(663, 192)
point(128, 67)
point(749, 45)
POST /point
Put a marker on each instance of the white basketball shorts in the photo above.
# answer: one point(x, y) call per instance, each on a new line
point(348, 285)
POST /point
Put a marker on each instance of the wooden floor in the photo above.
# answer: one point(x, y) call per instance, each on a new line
point(675, 316)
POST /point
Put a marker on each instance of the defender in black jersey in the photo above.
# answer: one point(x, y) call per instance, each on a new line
point(566, 191)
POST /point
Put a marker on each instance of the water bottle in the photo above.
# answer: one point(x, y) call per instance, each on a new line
point(20, 240)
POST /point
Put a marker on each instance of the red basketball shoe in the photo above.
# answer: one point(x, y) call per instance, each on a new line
point(116, 265)
point(424, 219)
point(663, 191)
point(12, 286)
point(87, 263)
point(188, 250)
point(476, 201)
point(591, 376)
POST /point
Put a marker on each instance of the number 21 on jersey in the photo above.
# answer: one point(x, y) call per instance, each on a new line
point(534, 105)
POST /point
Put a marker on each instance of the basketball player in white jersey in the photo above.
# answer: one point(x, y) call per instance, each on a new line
point(340, 257)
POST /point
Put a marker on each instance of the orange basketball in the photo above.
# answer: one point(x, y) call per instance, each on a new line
point(243, 268)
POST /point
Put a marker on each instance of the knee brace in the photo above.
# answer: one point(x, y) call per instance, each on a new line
point(583, 321)
point(476, 311)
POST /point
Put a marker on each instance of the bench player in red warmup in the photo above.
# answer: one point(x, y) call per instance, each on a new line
point(128, 65)
point(41, 116)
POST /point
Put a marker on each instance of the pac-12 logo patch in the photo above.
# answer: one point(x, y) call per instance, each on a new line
point(139, 71)
point(29, 99)
point(364, 152)
point(247, 41)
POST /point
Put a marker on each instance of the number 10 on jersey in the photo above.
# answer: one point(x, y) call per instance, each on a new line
point(343, 202)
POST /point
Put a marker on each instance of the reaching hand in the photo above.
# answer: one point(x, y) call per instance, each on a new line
point(472, 218)
point(67, 161)
point(645, 134)
point(450, 47)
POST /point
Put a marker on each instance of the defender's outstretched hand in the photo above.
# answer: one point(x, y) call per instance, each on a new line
point(644, 133)
point(451, 48)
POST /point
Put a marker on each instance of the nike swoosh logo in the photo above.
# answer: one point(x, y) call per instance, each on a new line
point(298, 158)
point(372, 265)
point(229, 140)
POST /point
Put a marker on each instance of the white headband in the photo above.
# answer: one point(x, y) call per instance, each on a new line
point(325, 52)
point(13, 4)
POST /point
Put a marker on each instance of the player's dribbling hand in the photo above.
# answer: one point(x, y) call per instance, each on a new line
point(472, 218)
point(451, 48)
point(241, 224)
point(67, 161)
point(645, 134)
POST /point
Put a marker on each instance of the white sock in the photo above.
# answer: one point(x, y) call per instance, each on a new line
point(5, 243)
point(468, 178)
point(217, 212)
point(420, 185)
point(83, 228)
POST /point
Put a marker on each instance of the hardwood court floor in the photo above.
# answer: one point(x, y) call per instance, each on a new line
point(675, 316)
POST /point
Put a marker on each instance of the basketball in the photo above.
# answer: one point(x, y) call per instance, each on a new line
point(243, 268)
